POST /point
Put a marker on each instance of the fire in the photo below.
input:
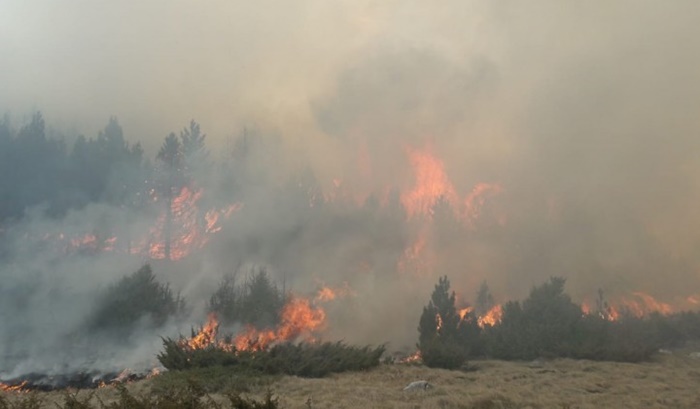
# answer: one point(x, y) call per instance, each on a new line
point(463, 312)
point(205, 336)
point(431, 184)
point(585, 308)
point(638, 304)
point(326, 293)
point(13, 388)
point(190, 229)
point(418, 257)
point(476, 200)
point(299, 320)
point(492, 317)
point(413, 358)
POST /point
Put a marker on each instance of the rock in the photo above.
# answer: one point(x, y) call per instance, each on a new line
point(537, 363)
point(665, 351)
point(694, 355)
point(418, 385)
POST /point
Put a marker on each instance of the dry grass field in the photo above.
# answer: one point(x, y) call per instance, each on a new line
point(670, 381)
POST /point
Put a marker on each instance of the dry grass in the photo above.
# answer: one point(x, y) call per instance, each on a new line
point(671, 381)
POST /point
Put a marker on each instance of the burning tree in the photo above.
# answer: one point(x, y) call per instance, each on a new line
point(170, 154)
point(445, 336)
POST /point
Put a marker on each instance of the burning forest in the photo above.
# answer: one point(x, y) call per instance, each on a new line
point(338, 167)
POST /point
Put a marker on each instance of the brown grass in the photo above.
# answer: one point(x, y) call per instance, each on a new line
point(670, 381)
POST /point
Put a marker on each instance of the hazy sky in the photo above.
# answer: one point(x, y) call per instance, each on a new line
point(592, 103)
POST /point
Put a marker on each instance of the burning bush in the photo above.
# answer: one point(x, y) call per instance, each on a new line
point(134, 298)
point(549, 324)
point(303, 359)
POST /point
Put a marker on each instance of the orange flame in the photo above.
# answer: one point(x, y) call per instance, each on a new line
point(326, 293)
point(413, 358)
point(463, 312)
point(299, 320)
point(13, 388)
point(492, 317)
point(431, 184)
point(205, 336)
point(638, 304)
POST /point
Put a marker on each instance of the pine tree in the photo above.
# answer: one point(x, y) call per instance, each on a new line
point(439, 341)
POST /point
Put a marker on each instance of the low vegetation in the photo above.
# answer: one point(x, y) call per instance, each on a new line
point(547, 324)
point(190, 397)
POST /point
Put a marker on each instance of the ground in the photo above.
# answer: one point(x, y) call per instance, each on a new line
point(669, 381)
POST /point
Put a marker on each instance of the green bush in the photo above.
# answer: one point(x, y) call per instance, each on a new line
point(134, 298)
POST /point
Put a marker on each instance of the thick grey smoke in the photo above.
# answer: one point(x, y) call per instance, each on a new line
point(584, 113)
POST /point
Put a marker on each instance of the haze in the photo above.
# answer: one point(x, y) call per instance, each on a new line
point(584, 113)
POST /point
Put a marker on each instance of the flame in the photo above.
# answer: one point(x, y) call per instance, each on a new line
point(326, 293)
point(13, 388)
point(438, 322)
point(476, 200)
point(299, 320)
point(431, 184)
point(585, 308)
point(418, 257)
point(413, 358)
point(463, 312)
point(190, 229)
point(205, 336)
point(638, 304)
point(492, 317)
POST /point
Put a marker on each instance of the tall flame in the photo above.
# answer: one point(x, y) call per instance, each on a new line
point(431, 184)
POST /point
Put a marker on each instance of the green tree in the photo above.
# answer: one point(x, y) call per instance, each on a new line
point(484, 300)
point(545, 324)
point(262, 301)
point(134, 297)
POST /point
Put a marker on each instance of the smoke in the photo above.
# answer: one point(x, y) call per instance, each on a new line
point(585, 114)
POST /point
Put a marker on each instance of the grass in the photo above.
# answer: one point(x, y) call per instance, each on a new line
point(668, 381)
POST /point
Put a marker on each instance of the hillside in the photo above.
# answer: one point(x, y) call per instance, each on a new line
point(670, 381)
